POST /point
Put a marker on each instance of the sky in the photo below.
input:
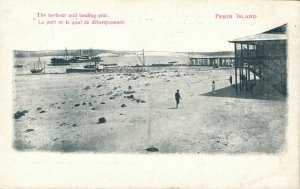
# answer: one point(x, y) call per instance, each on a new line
point(178, 26)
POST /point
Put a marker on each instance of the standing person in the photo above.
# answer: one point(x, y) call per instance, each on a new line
point(213, 88)
point(177, 97)
point(230, 80)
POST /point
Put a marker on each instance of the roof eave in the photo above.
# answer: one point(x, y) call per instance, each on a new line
point(249, 41)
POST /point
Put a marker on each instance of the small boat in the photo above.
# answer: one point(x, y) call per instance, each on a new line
point(86, 68)
point(37, 67)
point(18, 66)
point(89, 66)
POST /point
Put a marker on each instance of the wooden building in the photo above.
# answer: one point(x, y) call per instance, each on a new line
point(211, 60)
point(262, 57)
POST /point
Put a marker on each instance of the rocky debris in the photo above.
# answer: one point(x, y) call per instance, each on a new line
point(130, 96)
point(83, 103)
point(129, 92)
point(62, 124)
point(76, 105)
point(102, 103)
point(129, 87)
point(29, 130)
point(39, 108)
point(58, 107)
point(143, 75)
point(74, 125)
point(147, 84)
point(99, 86)
point(115, 88)
point(110, 78)
point(123, 105)
point(138, 100)
point(87, 88)
point(41, 112)
point(143, 101)
point(101, 120)
point(112, 97)
point(55, 139)
point(109, 93)
point(93, 108)
point(19, 114)
point(90, 104)
point(120, 114)
point(152, 149)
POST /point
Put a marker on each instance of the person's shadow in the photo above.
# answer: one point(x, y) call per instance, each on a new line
point(172, 108)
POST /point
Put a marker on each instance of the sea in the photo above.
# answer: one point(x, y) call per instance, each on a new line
point(126, 60)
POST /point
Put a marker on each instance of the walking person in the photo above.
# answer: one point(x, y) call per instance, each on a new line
point(213, 88)
point(230, 80)
point(177, 98)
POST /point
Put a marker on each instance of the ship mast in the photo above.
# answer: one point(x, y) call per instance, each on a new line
point(142, 60)
point(66, 54)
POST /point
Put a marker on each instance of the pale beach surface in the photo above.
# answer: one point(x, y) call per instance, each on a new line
point(63, 112)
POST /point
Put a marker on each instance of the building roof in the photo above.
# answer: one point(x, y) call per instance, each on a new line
point(213, 56)
point(275, 34)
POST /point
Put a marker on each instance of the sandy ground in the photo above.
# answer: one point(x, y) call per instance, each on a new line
point(63, 111)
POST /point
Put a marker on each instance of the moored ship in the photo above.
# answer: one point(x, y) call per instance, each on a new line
point(66, 60)
point(37, 67)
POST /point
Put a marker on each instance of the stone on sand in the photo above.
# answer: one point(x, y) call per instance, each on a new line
point(19, 114)
point(123, 105)
point(87, 88)
point(102, 120)
point(29, 130)
point(128, 92)
point(152, 149)
point(130, 96)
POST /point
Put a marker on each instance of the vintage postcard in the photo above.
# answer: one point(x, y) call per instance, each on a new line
point(149, 94)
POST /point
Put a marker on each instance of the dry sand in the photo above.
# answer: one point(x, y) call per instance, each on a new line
point(63, 111)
